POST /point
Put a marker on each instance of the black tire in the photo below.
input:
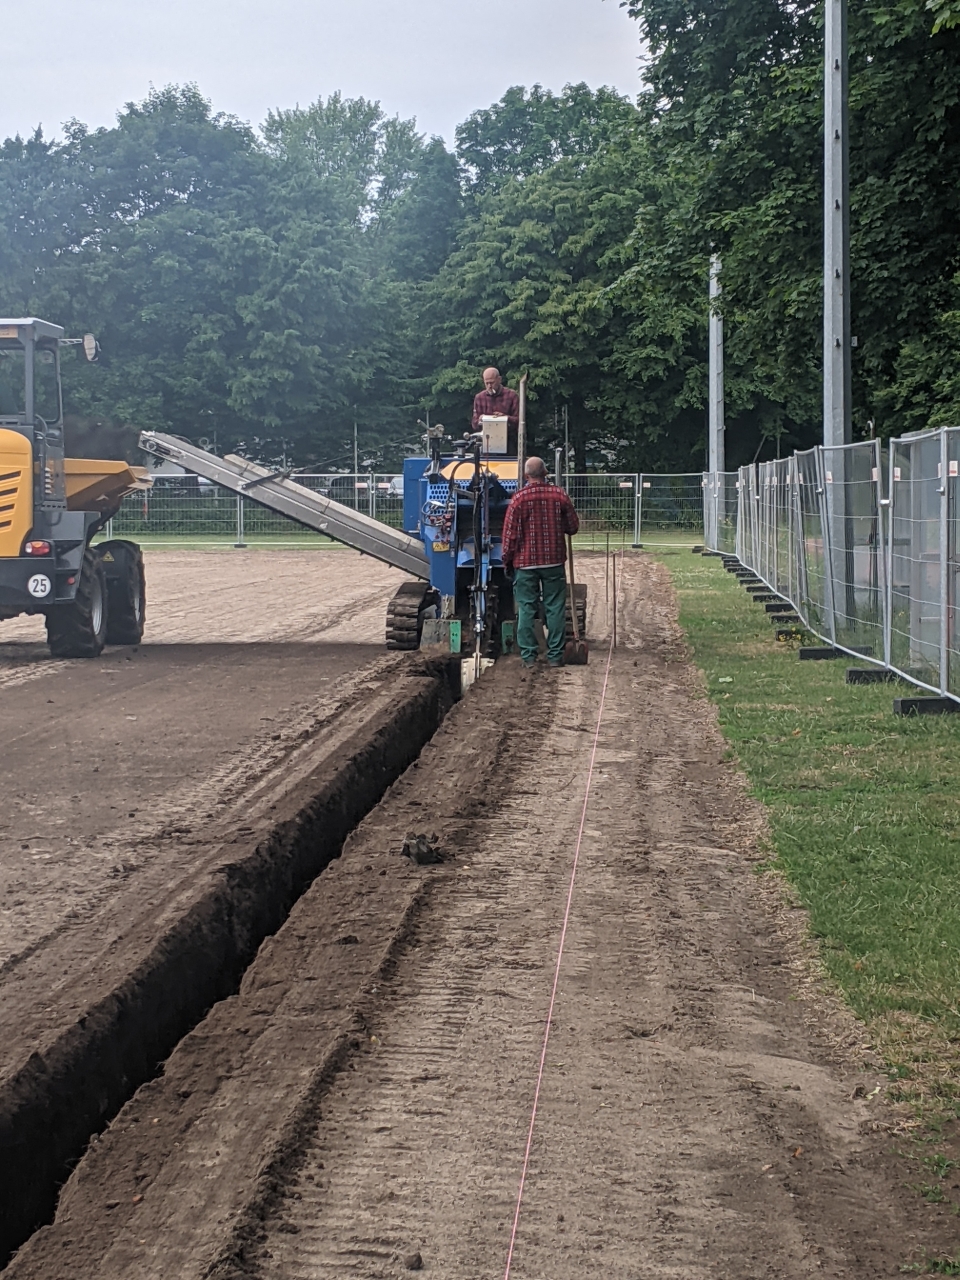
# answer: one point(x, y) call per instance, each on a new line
point(126, 591)
point(79, 629)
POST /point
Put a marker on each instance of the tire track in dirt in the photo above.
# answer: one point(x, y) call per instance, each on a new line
point(694, 1121)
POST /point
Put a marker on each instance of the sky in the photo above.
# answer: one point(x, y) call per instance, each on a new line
point(437, 60)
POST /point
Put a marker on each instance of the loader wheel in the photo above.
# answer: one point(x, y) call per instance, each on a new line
point(404, 621)
point(79, 629)
point(126, 591)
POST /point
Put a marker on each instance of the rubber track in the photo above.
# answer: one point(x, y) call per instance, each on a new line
point(403, 616)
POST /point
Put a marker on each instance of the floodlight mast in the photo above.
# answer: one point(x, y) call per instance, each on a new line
point(837, 421)
point(716, 457)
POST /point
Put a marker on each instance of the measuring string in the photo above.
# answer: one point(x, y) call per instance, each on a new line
point(563, 938)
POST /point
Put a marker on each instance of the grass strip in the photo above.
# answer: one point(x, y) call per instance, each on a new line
point(864, 815)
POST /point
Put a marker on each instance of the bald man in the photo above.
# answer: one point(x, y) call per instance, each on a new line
point(495, 398)
point(535, 528)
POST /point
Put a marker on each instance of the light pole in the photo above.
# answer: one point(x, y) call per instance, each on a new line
point(837, 423)
point(717, 459)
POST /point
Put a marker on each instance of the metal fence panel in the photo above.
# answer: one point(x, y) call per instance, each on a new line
point(952, 561)
point(853, 492)
point(671, 503)
point(720, 511)
point(917, 599)
point(815, 583)
point(606, 503)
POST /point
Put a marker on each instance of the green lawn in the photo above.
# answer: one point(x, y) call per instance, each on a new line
point(864, 814)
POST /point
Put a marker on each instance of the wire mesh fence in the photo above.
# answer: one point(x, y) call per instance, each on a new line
point(720, 510)
point(670, 504)
point(606, 504)
point(189, 508)
point(193, 509)
point(866, 549)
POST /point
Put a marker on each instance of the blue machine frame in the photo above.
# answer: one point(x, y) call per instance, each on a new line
point(449, 524)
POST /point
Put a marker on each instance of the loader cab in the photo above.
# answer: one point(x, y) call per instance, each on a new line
point(31, 402)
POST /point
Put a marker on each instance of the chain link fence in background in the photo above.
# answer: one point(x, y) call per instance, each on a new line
point(865, 547)
point(189, 508)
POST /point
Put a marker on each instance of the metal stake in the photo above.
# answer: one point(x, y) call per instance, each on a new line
point(614, 599)
point(522, 431)
point(239, 542)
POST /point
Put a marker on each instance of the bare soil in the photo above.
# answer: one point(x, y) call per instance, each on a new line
point(365, 1098)
point(131, 780)
point(245, 654)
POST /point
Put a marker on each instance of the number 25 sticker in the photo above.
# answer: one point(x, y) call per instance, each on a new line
point(39, 585)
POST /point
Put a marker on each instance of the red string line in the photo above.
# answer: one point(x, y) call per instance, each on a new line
point(556, 972)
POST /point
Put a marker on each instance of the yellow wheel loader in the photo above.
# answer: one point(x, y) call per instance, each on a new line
point(51, 507)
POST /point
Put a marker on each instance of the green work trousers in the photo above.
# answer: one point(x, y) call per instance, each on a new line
point(528, 584)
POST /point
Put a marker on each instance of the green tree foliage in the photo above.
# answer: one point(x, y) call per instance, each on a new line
point(246, 289)
point(552, 196)
point(734, 121)
point(269, 288)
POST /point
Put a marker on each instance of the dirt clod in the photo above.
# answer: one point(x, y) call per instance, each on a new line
point(413, 1262)
point(423, 850)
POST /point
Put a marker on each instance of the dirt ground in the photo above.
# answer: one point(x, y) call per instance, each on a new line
point(125, 777)
point(244, 652)
point(362, 1105)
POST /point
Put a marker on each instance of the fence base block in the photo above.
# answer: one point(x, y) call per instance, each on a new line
point(698, 550)
point(870, 675)
point(925, 706)
point(814, 654)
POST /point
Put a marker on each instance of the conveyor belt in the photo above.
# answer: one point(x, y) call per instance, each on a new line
point(277, 492)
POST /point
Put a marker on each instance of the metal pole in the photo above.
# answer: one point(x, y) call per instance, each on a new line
point(944, 554)
point(638, 518)
point(888, 556)
point(837, 427)
point(356, 463)
point(606, 572)
point(614, 600)
point(716, 416)
point(556, 464)
point(522, 431)
point(566, 447)
point(239, 542)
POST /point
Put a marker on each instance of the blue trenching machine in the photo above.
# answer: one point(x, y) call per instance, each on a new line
point(454, 502)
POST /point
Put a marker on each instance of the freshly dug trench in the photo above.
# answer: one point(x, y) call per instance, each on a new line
point(70, 1090)
point(180, 1182)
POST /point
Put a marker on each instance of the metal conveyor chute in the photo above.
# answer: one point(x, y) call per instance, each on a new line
point(277, 492)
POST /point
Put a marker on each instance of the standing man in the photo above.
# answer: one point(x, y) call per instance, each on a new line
point(495, 398)
point(539, 517)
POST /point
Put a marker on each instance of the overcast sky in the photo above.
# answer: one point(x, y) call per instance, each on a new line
point(437, 60)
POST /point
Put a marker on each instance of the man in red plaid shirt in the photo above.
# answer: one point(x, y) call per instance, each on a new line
point(499, 400)
point(539, 517)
